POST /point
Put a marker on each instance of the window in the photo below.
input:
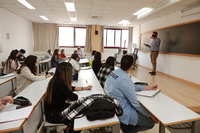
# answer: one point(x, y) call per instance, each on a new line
point(72, 36)
point(115, 38)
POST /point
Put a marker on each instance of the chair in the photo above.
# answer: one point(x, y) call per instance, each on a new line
point(135, 52)
point(46, 124)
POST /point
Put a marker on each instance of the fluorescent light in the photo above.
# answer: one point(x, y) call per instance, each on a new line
point(43, 17)
point(70, 6)
point(124, 22)
point(144, 13)
point(141, 11)
point(25, 3)
point(73, 19)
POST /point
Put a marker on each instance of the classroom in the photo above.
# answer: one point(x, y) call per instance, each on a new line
point(106, 26)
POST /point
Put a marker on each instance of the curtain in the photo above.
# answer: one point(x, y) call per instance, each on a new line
point(45, 36)
point(101, 38)
point(130, 39)
point(88, 40)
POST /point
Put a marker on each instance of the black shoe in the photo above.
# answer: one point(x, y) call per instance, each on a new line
point(150, 72)
point(153, 73)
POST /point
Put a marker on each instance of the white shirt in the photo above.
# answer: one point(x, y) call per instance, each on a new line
point(75, 66)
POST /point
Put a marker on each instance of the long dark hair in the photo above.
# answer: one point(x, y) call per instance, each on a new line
point(49, 51)
point(30, 63)
point(54, 53)
point(97, 56)
point(12, 56)
point(110, 61)
point(64, 73)
point(93, 52)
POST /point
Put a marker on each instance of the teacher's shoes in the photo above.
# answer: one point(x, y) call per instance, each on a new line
point(150, 72)
point(153, 73)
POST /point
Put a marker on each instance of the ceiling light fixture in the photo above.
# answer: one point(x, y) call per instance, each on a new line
point(70, 6)
point(25, 3)
point(124, 22)
point(141, 11)
point(43, 17)
point(73, 19)
point(145, 12)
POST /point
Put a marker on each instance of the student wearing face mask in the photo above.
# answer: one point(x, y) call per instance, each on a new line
point(21, 56)
point(154, 47)
point(27, 74)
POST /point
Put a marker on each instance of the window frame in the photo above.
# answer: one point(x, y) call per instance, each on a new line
point(74, 37)
point(114, 38)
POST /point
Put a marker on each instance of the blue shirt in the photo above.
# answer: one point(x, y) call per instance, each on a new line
point(155, 44)
point(121, 87)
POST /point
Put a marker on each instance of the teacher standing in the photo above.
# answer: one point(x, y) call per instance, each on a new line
point(154, 47)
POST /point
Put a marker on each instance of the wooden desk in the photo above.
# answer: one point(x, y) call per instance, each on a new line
point(35, 93)
point(168, 111)
point(82, 123)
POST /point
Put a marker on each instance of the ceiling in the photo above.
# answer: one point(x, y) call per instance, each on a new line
point(109, 12)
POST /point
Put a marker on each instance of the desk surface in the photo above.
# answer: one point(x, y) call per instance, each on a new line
point(45, 61)
point(34, 93)
point(85, 60)
point(168, 111)
point(4, 80)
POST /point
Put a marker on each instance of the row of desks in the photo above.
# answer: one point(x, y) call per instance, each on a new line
point(166, 110)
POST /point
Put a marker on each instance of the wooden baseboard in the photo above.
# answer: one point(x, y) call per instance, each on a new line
point(171, 76)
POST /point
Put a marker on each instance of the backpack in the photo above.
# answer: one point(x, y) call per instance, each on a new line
point(100, 109)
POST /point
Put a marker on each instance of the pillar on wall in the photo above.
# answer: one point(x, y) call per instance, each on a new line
point(96, 38)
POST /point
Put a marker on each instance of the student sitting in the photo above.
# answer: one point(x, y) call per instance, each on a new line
point(58, 91)
point(92, 57)
point(47, 55)
point(55, 58)
point(135, 117)
point(80, 54)
point(5, 100)
point(75, 65)
point(27, 73)
point(62, 54)
point(11, 63)
point(96, 64)
point(21, 56)
point(105, 70)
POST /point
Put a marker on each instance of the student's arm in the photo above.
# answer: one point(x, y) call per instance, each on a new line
point(129, 92)
point(76, 66)
point(67, 92)
point(89, 87)
point(57, 59)
point(25, 72)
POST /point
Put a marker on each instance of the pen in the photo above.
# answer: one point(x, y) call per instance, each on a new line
point(158, 84)
point(5, 101)
point(86, 82)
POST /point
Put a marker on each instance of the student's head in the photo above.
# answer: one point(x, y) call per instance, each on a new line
point(110, 61)
point(14, 54)
point(126, 62)
point(64, 73)
point(155, 34)
point(75, 57)
point(30, 62)
point(49, 51)
point(97, 56)
point(62, 51)
point(22, 51)
point(78, 48)
point(75, 52)
point(93, 52)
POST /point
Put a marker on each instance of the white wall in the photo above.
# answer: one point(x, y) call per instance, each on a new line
point(20, 31)
point(184, 67)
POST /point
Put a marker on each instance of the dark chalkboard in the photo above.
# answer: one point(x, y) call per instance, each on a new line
point(183, 39)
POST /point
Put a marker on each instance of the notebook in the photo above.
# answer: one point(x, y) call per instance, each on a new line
point(15, 115)
point(149, 93)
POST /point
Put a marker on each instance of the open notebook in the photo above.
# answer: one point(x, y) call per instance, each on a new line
point(149, 93)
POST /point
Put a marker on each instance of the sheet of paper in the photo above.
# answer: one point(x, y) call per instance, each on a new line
point(89, 92)
point(16, 114)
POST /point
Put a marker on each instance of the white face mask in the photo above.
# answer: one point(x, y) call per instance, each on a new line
point(58, 52)
point(36, 64)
